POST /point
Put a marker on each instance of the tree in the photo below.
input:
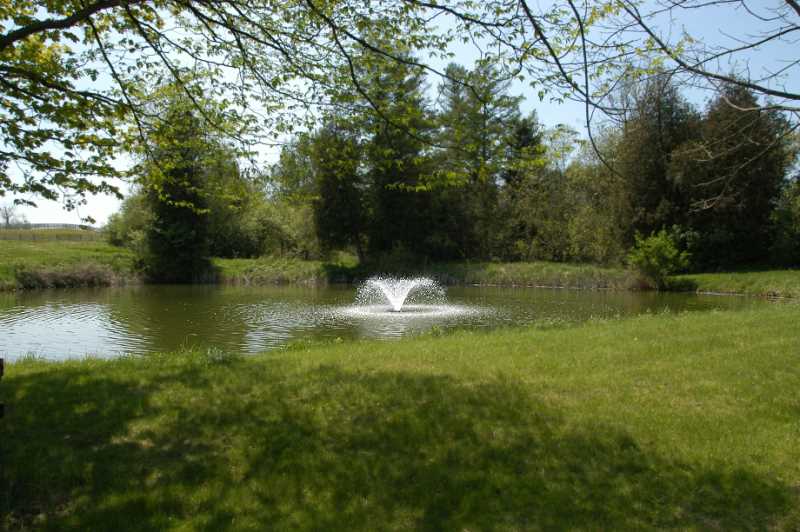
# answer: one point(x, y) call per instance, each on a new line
point(396, 159)
point(733, 174)
point(128, 226)
point(339, 215)
point(292, 58)
point(786, 226)
point(483, 138)
point(61, 131)
point(8, 214)
point(292, 177)
point(659, 120)
point(600, 215)
point(179, 153)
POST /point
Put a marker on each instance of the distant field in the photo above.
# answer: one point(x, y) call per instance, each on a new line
point(50, 234)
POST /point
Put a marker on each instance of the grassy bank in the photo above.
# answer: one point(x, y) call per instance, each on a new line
point(665, 421)
point(43, 264)
point(769, 283)
point(277, 271)
point(273, 270)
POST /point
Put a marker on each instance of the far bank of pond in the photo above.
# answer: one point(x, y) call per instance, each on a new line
point(49, 264)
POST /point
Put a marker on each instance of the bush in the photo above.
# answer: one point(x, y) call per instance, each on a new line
point(132, 220)
point(656, 257)
point(785, 248)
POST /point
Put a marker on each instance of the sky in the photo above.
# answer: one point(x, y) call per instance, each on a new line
point(718, 26)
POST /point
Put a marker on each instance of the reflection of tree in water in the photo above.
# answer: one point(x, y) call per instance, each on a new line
point(173, 317)
point(239, 318)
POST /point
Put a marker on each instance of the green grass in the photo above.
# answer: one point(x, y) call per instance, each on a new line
point(68, 260)
point(269, 270)
point(771, 283)
point(662, 421)
point(550, 274)
point(61, 259)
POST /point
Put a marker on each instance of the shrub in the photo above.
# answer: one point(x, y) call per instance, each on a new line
point(656, 257)
point(785, 248)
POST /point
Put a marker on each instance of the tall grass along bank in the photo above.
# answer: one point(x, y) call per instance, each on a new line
point(768, 283)
point(58, 264)
point(548, 274)
point(663, 421)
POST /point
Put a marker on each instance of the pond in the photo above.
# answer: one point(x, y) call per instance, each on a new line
point(59, 324)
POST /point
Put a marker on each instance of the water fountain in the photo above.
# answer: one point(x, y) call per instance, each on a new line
point(397, 291)
point(396, 301)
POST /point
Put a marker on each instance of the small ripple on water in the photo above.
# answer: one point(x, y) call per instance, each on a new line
point(64, 330)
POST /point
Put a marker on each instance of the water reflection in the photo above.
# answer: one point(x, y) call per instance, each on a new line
point(107, 322)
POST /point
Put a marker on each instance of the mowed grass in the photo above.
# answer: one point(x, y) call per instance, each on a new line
point(59, 256)
point(770, 283)
point(685, 421)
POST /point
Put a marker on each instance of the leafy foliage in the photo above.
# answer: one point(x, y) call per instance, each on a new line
point(339, 216)
point(786, 222)
point(177, 236)
point(657, 256)
point(732, 176)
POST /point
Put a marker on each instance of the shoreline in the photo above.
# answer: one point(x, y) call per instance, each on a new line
point(42, 265)
point(97, 275)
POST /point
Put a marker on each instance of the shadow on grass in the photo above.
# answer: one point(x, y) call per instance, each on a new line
point(258, 446)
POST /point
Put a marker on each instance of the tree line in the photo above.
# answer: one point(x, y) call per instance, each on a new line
point(468, 176)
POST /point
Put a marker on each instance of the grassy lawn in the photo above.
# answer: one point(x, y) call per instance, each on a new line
point(685, 421)
point(773, 283)
point(60, 257)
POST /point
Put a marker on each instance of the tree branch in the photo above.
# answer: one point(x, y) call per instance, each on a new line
point(40, 26)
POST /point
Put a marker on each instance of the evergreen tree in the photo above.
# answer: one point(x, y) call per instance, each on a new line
point(733, 176)
point(396, 159)
point(659, 121)
point(339, 215)
point(478, 121)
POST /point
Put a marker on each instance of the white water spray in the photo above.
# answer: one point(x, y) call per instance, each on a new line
point(397, 291)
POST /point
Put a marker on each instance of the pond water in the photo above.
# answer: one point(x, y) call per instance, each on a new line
point(106, 322)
